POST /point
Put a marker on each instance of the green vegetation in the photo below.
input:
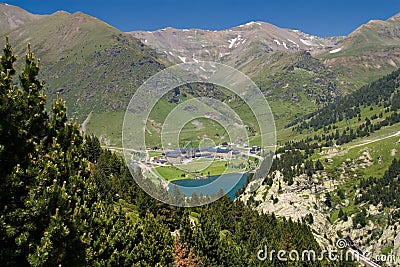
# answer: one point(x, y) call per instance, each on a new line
point(378, 93)
point(67, 202)
point(384, 190)
point(194, 131)
point(107, 126)
point(200, 167)
point(172, 173)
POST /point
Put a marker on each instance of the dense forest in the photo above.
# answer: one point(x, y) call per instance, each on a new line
point(383, 92)
point(65, 201)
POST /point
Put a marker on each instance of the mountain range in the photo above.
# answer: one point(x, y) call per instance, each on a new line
point(370, 49)
point(97, 68)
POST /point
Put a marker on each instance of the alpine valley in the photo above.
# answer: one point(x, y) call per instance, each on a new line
point(335, 102)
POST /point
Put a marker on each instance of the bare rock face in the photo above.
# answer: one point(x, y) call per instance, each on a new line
point(231, 45)
point(396, 242)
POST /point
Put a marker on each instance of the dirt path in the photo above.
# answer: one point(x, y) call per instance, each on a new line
point(86, 121)
point(340, 151)
point(374, 140)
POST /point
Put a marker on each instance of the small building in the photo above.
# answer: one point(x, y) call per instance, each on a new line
point(255, 149)
point(223, 153)
point(224, 144)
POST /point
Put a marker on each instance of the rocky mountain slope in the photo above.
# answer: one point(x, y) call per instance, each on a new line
point(229, 46)
point(370, 51)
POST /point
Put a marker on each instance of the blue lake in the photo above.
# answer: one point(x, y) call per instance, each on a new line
point(230, 183)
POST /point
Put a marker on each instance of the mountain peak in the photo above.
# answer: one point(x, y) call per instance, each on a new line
point(251, 24)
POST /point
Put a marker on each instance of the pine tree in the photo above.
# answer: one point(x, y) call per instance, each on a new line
point(35, 122)
point(328, 201)
point(7, 62)
point(61, 195)
point(11, 114)
point(23, 126)
point(319, 166)
point(93, 148)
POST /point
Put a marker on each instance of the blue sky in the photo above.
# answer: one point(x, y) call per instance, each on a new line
point(323, 17)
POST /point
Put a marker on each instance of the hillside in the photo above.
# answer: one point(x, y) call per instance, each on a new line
point(295, 84)
point(298, 72)
point(92, 65)
point(370, 51)
point(340, 164)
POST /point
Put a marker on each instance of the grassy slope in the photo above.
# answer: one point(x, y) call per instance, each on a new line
point(109, 125)
point(91, 64)
point(353, 150)
point(289, 94)
point(294, 84)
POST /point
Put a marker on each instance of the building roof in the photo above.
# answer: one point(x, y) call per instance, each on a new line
point(222, 150)
point(173, 154)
